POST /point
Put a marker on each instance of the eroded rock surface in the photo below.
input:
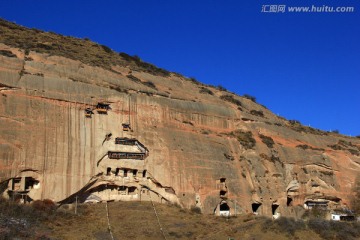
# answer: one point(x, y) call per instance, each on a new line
point(204, 149)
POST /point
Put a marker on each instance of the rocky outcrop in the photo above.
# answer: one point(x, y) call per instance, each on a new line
point(206, 148)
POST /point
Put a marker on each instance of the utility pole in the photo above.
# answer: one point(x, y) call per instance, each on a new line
point(76, 204)
point(235, 207)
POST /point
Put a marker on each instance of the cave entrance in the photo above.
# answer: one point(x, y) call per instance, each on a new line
point(255, 207)
point(108, 171)
point(224, 209)
point(274, 207)
point(289, 201)
point(132, 190)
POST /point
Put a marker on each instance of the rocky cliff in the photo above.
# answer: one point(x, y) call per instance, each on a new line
point(187, 143)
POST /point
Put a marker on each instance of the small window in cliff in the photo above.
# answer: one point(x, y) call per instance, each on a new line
point(102, 108)
point(274, 207)
point(132, 190)
point(135, 172)
point(144, 173)
point(16, 184)
point(88, 112)
point(255, 207)
point(125, 172)
point(108, 171)
point(117, 171)
point(30, 183)
point(289, 201)
point(126, 127)
point(222, 193)
point(222, 180)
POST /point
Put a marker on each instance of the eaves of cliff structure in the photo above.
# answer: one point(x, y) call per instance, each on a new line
point(79, 121)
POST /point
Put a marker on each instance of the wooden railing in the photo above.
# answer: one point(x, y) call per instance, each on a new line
point(126, 155)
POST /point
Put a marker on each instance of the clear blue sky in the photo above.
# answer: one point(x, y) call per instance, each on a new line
point(303, 66)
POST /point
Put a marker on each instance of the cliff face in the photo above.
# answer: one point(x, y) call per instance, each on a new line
point(206, 147)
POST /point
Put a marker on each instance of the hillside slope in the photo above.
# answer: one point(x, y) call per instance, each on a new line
point(193, 144)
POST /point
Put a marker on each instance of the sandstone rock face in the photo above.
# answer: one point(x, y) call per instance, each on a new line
point(204, 149)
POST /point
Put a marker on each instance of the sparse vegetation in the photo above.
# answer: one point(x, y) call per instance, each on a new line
point(21, 221)
point(294, 122)
point(150, 84)
point(221, 88)
point(248, 96)
point(26, 222)
point(325, 229)
point(327, 173)
point(335, 230)
point(284, 225)
point(257, 113)
point(227, 156)
point(271, 158)
point(106, 49)
point(195, 209)
point(246, 139)
point(231, 99)
point(355, 201)
point(133, 78)
point(188, 122)
point(194, 80)
point(74, 48)
point(344, 145)
point(298, 127)
point(206, 91)
point(305, 147)
point(267, 140)
point(206, 132)
point(7, 53)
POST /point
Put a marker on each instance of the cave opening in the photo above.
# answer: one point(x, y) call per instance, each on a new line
point(255, 207)
point(224, 207)
point(289, 201)
point(30, 183)
point(274, 207)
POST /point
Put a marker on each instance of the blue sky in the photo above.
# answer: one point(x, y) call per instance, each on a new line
point(303, 66)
